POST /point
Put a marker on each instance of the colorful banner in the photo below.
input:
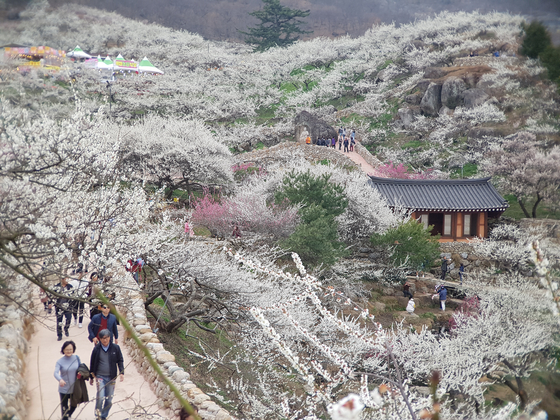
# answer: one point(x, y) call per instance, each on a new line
point(126, 65)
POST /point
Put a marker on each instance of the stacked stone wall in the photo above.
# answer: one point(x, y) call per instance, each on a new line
point(133, 309)
point(368, 157)
point(15, 328)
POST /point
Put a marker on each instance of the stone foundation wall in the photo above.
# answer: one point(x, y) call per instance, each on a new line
point(15, 329)
point(368, 157)
point(133, 308)
point(462, 252)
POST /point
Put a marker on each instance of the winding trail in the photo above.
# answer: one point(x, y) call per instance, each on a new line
point(132, 396)
point(366, 167)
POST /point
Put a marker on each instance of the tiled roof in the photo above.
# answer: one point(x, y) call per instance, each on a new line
point(440, 195)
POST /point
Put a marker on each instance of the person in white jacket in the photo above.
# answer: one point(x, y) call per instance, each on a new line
point(411, 306)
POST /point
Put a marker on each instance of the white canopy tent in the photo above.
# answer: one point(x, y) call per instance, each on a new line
point(77, 53)
point(146, 67)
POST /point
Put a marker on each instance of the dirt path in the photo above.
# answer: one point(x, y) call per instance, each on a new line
point(133, 395)
point(366, 167)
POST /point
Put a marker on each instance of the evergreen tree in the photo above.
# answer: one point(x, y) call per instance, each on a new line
point(279, 27)
point(316, 238)
point(536, 40)
point(550, 58)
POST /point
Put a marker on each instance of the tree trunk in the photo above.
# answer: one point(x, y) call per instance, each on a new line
point(522, 205)
point(539, 199)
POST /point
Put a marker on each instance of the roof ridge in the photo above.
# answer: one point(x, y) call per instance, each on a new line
point(430, 181)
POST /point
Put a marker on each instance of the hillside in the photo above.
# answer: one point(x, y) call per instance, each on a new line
point(374, 83)
point(265, 266)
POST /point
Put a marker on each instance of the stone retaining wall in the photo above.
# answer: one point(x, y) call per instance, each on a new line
point(15, 329)
point(368, 157)
point(133, 308)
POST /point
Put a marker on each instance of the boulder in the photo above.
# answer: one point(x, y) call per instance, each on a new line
point(314, 126)
point(431, 101)
point(452, 92)
point(413, 99)
point(474, 97)
point(423, 84)
point(408, 115)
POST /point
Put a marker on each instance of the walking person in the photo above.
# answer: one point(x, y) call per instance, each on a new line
point(461, 272)
point(65, 373)
point(345, 145)
point(103, 321)
point(106, 357)
point(90, 294)
point(80, 288)
point(406, 290)
point(63, 307)
point(333, 143)
point(441, 292)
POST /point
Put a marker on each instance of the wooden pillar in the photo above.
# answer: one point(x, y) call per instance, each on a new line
point(459, 225)
point(482, 230)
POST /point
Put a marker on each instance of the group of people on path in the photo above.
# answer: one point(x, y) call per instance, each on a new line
point(67, 304)
point(440, 289)
point(106, 357)
point(106, 364)
point(343, 140)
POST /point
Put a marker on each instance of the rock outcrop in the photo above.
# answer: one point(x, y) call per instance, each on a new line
point(431, 101)
point(474, 97)
point(452, 92)
point(407, 115)
point(315, 127)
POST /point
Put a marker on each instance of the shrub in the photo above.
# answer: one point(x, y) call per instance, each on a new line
point(411, 244)
point(316, 238)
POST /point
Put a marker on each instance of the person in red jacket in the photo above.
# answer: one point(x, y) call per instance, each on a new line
point(104, 320)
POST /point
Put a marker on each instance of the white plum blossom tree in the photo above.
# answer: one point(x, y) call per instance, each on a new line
point(175, 154)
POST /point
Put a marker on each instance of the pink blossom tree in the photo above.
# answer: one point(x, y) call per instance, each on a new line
point(247, 210)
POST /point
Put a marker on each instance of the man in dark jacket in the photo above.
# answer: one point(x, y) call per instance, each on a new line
point(106, 357)
point(102, 321)
point(63, 306)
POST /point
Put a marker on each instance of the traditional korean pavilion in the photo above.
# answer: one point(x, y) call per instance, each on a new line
point(457, 209)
